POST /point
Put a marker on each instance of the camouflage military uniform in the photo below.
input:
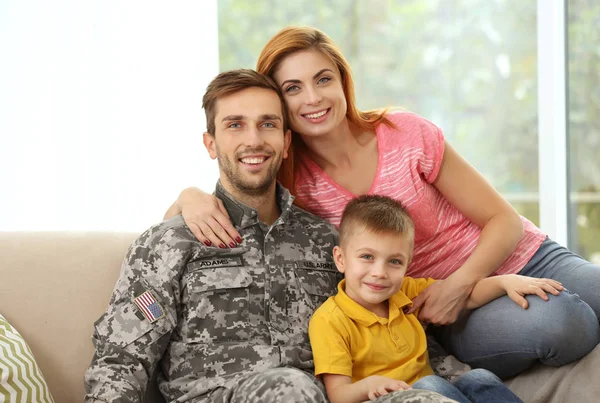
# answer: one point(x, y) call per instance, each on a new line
point(219, 316)
point(413, 396)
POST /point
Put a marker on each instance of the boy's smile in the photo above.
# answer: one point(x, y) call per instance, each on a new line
point(374, 266)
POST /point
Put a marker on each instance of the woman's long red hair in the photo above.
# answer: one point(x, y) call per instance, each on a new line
point(293, 39)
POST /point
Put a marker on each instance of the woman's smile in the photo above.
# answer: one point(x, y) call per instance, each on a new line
point(317, 117)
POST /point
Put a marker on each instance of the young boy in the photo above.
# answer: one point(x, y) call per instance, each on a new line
point(364, 344)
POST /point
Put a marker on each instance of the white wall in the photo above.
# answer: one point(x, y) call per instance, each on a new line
point(100, 110)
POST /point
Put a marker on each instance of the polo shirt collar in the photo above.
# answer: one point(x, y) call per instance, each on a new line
point(362, 315)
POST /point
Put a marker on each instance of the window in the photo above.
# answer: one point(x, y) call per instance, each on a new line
point(100, 111)
point(583, 52)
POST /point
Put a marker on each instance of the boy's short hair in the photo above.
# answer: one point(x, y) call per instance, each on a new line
point(230, 82)
point(376, 214)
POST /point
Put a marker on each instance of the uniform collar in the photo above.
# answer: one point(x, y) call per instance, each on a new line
point(362, 315)
point(243, 216)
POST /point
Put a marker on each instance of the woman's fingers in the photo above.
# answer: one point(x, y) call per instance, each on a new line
point(209, 233)
point(199, 234)
point(224, 220)
point(215, 229)
point(208, 219)
point(417, 302)
point(209, 238)
point(215, 233)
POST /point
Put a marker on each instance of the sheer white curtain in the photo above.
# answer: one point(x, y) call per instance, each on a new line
point(100, 110)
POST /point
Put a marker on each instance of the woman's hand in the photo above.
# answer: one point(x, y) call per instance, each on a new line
point(442, 301)
point(517, 287)
point(207, 218)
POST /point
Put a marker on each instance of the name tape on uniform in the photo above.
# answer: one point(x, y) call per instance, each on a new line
point(309, 264)
point(216, 262)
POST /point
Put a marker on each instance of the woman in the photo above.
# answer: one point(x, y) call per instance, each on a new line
point(465, 230)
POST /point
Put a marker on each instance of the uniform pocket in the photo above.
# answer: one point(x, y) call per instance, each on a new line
point(220, 278)
point(318, 283)
point(217, 304)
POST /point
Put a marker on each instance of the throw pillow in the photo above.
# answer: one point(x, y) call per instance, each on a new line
point(20, 377)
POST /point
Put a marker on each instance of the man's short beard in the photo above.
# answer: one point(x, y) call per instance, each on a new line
point(238, 182)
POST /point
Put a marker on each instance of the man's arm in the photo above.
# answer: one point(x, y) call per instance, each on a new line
point(515, 286)
point(132, 335)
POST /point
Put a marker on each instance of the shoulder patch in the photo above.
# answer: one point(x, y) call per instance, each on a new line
point(149, 306)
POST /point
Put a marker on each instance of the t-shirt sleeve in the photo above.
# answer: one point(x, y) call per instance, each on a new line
point(426, 138)
point(330, 345)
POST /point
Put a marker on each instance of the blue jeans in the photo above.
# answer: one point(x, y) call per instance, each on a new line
point(478, 385)
point(506, 339)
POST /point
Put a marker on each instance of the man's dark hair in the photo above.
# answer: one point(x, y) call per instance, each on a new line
point(230, 82)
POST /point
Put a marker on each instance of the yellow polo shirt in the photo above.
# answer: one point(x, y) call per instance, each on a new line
point(348, 339)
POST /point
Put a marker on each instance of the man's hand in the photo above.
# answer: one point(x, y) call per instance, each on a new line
point(382, 385)
point(442, 301)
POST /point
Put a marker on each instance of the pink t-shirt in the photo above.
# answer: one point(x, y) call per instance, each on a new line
point(409, 162)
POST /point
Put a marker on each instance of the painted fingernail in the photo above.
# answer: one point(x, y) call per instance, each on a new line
point(222, 246)
point(207, 243)
point(238, 239)
point(232, 244)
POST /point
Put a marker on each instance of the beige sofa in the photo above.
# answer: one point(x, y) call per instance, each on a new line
point(53, 286)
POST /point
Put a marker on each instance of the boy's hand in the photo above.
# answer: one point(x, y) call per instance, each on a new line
point(382, 385)
point(517, 286)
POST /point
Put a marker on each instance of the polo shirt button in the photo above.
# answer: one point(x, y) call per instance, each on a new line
point(395, 337)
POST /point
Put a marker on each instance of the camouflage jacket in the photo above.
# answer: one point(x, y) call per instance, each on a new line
point(205, 315)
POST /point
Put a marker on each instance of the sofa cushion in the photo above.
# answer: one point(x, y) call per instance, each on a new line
point(20, 377)
point(53, 286)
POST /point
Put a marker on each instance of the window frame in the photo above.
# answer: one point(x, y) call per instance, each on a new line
point(553, 138)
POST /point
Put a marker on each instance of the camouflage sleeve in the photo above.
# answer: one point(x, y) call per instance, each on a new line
point(335, 234)
point(132, 335)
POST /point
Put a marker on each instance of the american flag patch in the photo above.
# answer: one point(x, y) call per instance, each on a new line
point(149, 306)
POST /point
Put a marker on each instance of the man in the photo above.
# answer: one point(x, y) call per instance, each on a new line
point(218, 321)
point(217, 324)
